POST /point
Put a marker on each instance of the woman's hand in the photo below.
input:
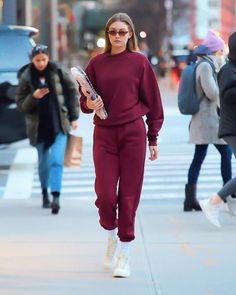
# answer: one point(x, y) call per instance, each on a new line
point(74, 124)
point(96, 104)
point(153, 152)
point(40, 93)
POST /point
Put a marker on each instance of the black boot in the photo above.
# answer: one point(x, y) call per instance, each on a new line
point(46, 202)
point(191, 202)
point(55, 202)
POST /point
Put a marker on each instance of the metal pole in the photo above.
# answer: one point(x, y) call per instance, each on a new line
point(28, 12)
point(44, 22)
point(48, 26)
point(169, 8)
point(54, 38)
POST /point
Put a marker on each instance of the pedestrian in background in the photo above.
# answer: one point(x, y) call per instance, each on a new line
point(48, 97)
point(128, 89)
point(192, 58)
point(227, 131)
point(204, 124)
point(144, 48)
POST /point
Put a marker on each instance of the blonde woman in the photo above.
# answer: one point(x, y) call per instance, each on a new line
point(128, 89)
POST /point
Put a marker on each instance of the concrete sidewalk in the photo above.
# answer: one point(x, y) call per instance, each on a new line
point(174, 252)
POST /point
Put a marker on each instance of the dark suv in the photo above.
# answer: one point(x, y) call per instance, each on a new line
point(16, 43)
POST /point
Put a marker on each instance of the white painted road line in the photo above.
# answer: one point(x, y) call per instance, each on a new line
point(21, 174)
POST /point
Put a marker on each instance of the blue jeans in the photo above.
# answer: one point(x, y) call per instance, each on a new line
point(199, 156)
point(51, 162)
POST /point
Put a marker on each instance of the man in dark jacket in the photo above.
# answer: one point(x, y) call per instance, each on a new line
point(48, 97)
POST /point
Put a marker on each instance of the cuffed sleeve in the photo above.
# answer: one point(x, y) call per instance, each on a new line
point(150, 96)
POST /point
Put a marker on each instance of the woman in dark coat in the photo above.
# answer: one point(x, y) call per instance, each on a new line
point(48, 97)
point(227, 131)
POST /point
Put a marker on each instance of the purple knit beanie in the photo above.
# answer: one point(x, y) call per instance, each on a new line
point(213, 41)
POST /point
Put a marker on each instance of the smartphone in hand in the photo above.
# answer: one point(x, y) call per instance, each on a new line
point(42, 83)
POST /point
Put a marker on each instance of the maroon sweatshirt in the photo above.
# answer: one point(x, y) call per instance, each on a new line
point(128, 88)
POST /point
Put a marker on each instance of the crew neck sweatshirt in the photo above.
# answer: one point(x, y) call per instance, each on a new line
point(128, 87)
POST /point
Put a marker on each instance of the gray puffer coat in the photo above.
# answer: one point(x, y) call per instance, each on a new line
point(67, 96)
point(204, 124)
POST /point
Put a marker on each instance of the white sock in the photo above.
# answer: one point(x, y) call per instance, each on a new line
point(112, 234)
point(125, 248)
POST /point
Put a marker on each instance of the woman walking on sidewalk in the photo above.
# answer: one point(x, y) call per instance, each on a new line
point(227, 131)
point(48, 97)
point(204, 124)
point(128, 88)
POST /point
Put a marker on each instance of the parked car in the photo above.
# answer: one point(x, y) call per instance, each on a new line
point(16, 43)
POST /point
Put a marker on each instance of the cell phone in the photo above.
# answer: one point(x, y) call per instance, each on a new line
point(42, 83)
point(42, 86)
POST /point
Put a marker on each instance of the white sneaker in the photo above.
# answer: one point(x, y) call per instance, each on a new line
point(231, 205)
point(211, 212)
point(122, 268)
point(110, 256)
point(226, 207)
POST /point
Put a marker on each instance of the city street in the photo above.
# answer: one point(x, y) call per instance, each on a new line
point(174, 252)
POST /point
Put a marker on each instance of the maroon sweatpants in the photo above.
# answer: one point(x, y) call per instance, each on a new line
point(119, 156)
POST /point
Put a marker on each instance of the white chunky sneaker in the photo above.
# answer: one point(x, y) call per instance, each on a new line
point(226, 207)
point(211, 212)
point(231, 205)
point(122, 268)
point(110, 255)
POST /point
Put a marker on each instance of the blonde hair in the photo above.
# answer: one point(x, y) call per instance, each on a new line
point(132, 44)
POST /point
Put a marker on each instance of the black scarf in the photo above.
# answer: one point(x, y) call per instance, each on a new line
point(48, 108)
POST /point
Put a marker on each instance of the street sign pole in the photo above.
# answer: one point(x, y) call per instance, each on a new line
point(48, 26)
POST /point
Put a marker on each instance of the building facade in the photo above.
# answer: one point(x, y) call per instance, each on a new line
point(219, 15)
point(193, 18)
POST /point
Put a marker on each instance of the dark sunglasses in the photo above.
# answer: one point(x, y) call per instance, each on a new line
point(121, 33)
point(40, 48)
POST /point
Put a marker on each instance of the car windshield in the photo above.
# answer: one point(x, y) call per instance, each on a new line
point(14, 51)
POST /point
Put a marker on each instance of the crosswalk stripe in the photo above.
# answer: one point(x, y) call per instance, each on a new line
point(21, 171)
point(156, 183)
point(163, 179)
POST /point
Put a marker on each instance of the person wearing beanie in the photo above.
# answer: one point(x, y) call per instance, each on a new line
point(204, 124)
point(48, 97)
point(227, 131)
point(213, 42)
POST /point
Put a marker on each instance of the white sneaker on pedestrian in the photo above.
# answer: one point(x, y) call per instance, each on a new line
point(210, 211)
point(226, 207)
point(110, 255)
point(231, 205)
point(122, 268)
